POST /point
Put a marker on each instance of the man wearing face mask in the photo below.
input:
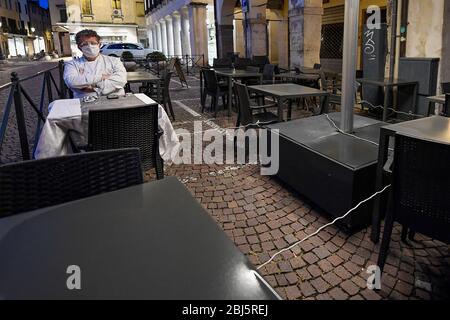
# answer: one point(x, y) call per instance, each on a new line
point(93, 73)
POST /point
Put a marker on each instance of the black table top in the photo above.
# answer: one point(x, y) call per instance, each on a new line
point(437, 99)
point(152, 241)
point(434, 129)
point(318, 134)
point(386, 82)
point(129, 100)
point(287, 90)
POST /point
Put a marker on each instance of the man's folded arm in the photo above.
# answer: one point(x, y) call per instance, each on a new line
point(117, 80)
point(74, 79)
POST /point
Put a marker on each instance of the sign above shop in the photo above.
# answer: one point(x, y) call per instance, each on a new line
point(244, 6)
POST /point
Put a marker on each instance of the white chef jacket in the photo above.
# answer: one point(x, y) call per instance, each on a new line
point(80, 72)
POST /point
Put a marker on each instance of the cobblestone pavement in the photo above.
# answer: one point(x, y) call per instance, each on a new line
point(261, 215)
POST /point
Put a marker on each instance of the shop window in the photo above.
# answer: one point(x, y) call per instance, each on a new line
point(140, 10)
point(332, 38)
point(86, 7)
point(116, 4)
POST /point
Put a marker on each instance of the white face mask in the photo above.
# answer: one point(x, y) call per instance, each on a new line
point(91, 51)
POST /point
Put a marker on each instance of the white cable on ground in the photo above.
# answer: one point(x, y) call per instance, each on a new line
point(323, 227)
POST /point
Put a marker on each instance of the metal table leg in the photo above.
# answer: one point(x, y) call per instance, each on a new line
point(280, 109)
point(383, 151)
point(387, 92)
point(230, 94)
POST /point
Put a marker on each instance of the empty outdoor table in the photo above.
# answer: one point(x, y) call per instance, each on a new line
point(231, 74)
point(389, 85)
point(144, 77)
point(285, 91)
point(140, 242)
point(434, 129)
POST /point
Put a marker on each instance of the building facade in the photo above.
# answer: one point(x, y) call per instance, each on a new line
point(114, 20)
point(182, 27)
point(39, 27)
point(60, 33)
point(24, 29)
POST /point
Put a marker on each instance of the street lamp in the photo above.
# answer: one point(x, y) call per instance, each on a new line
point(33, 29)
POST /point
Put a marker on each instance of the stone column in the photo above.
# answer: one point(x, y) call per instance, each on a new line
point(150, 37)
point(296, 36)
point(225, 39)
point(169, 30)
point(198, 29)
point(312, 26)
point(185, 38)
point(155, 38)
point(255, 26)
point(176, 19)
point(162, 22)
point(159, 37)
point(305, 29)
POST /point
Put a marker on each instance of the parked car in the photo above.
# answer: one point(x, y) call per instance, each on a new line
point(116, 50)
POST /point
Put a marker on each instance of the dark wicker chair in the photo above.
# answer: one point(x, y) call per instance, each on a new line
point(30, 185)
point(151, 90)
point(419, 194)
point(246, 115)
point(135, 127)
point(166, 102)
point(213, 89)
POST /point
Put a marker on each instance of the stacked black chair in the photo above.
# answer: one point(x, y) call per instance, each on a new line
point(30, 185)
point(223, 63)
point(446, 110)
point(260, 62)
point(135, 127)
point(445, 87)
point(246, 115)
point(242, 63)
point(213, 89)
point(419, 191)
point(232, 56)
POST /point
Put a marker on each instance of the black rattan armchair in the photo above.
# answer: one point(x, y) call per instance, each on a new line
point(419, 191)
point(30, 185)
point(246, 113)
point(135, 127)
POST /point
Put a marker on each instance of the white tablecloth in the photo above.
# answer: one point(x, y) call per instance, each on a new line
point(65, 115)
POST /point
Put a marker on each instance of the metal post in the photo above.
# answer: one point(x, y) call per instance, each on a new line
point(20, 117)
point(393, 39)
point(187, 64)
point(62, 85)
point(49, 86)
point(349, 64)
